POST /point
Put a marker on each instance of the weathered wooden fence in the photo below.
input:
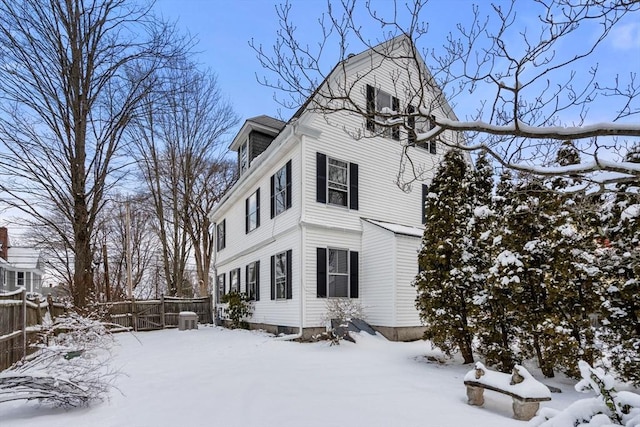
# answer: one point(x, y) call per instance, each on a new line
point(146, 315)
point(18, 316)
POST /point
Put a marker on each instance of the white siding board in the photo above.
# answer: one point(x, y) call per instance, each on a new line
point(377, 275)
point(407, 261)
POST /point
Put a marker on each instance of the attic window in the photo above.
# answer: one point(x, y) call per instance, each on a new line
point(243, 155)
point(380, 105)
point(419, 125)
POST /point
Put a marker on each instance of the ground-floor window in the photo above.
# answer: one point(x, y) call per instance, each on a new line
point(253, 281)
point(234, 280)
point(337, 273)
point(281, 276)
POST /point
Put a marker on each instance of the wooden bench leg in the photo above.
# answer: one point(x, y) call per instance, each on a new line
point(524, 411)
point(475, 395)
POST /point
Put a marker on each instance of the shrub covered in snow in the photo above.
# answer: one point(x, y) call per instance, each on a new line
point(608, 408)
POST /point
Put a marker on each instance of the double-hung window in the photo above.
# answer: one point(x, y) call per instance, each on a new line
point(281, 190)
point(221, 286)
point(337, 273)
point(336, 182)
point(243, 157)
point(252, 208)
point(418, 125)
point(234, 280)
point(281, 276)
point(381, 107)
point(252, 277)
point(221, 235)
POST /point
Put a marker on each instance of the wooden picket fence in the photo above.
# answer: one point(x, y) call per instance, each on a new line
point(147, 315)
point(18, 318)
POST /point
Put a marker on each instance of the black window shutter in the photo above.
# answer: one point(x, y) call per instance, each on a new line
point(432, 147)
point(395, 106)
point(273, 196)
point(224, 284)
point(273, 277)
point(257, 208)
point(354, 274)
point(353, 186)
point(321, 272)
point(288, 195)
point(425, 191)
point(230, 280)
point(321, 180)
point(371, 108)
point(239, 280)
point(257, 267)
point(289, 273)
point(411, 124)
point(246, 215)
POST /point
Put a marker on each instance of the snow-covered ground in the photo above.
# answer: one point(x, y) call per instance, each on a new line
point(219, 377)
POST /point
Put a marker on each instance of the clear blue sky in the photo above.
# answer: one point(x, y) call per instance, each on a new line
point(224, 28)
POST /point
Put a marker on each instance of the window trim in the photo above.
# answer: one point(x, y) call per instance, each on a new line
point(221, 280)
point(286, 190)
point(346, 275)
point(288, 276)
point(243, 163)
point(373, 96)
point(221, 235)
point(249, 212)
point(232, 273)
point(346, 191)
point(255, 283)
point(322, 182)
point(322, 272)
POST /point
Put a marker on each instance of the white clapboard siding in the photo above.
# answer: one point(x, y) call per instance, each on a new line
point(407, 248)
point(377, 276)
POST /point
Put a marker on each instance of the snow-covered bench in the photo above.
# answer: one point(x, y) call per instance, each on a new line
point(526, 391)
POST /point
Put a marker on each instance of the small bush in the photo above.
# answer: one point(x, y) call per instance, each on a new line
point(238, 308)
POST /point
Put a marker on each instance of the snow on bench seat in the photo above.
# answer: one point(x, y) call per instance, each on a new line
point(525, 390)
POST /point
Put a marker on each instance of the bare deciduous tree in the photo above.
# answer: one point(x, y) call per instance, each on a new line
point(532, 84)
point(178, 150)
point(72, 76)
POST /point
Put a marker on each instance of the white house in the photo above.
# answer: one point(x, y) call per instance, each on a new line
point(20, 267)
point(317, 214)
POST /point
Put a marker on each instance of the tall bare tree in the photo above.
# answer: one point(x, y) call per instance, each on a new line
point(111, 231)
point(180, 155)
point(533, 83)
point(73, 75)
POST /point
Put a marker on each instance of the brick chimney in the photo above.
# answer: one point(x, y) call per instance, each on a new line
point(4, 243)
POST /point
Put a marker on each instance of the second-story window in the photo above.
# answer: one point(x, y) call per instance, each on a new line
point(221, 235)
point(336, 182)
point(281, 190)
point(252, 208)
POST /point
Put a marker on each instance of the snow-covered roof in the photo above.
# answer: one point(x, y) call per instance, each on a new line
point(23, 258)
point(405, 230)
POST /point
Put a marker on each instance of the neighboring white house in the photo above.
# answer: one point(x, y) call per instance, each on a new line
point(316, 214)
point(20, 267)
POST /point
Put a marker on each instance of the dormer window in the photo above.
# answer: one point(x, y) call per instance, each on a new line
point(380, 105)
point(244, 157)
